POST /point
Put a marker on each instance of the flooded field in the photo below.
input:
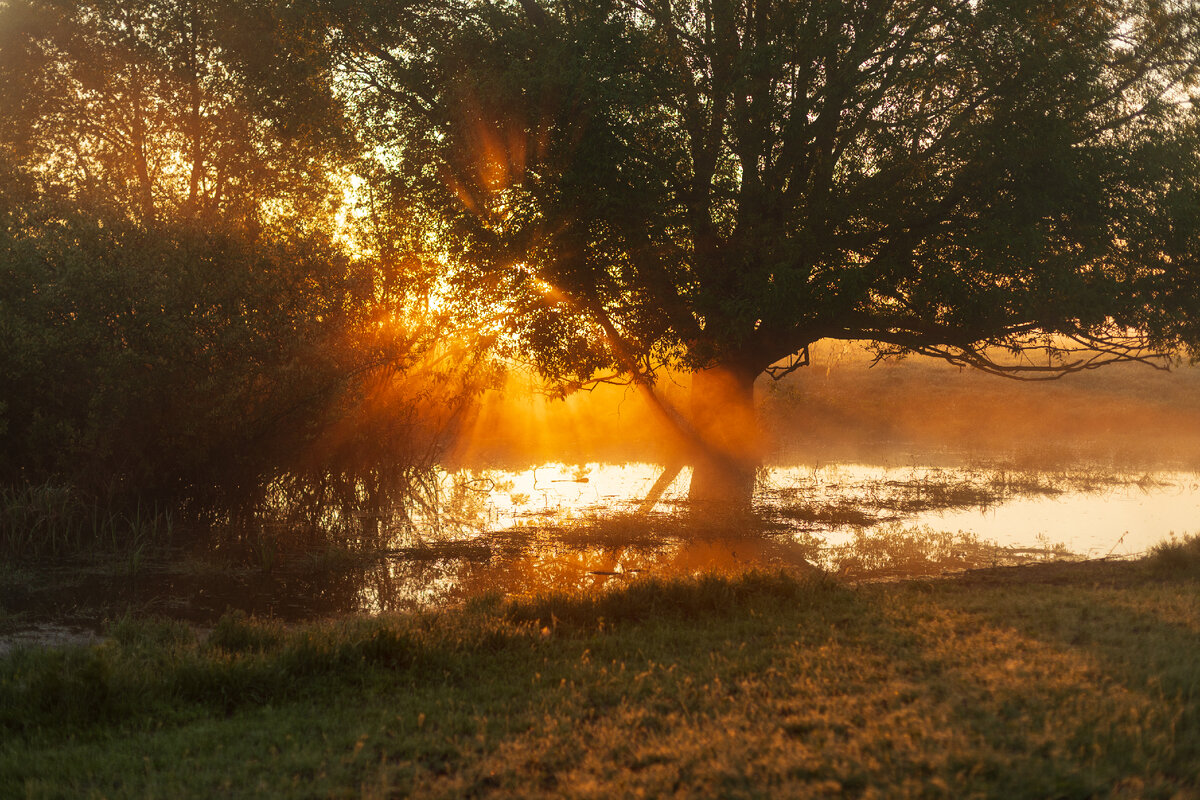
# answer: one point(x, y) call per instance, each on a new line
point(877, 472)
point(576, 527)
point(1085, 512)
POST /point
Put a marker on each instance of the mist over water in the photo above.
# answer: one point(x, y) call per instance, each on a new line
point(975, 469)
point(1085, 513)
point(902, 469)
point(844, 408)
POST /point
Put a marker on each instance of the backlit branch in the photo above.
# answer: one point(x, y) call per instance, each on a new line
point(1086, 353)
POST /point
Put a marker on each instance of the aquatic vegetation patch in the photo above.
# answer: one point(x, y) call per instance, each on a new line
point(900, 551)
point(903, 551)
point(841, 513)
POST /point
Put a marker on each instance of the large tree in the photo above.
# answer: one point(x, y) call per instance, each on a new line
point(169, 110)
point(714, 185)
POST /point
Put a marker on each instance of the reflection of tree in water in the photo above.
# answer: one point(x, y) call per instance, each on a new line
point(447, 546)
point(599, 552)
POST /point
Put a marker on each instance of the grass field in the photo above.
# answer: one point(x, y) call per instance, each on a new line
point(1057, 680)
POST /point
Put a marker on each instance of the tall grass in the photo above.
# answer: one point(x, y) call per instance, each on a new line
point(52, 521)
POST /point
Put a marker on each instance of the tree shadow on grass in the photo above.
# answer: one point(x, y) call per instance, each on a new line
point(1120, 658)
point(912, 690)
point(752, 686)
point(1011, 689)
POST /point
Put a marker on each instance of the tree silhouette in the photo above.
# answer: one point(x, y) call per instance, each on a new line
point(714, 185)
point(171, 109)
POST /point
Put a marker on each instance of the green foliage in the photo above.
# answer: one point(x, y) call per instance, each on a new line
point(71, 684)
point(234, 633)
point(160, 110)
point(1177, 557)
point(242, 662)
point(146, 360)
point(245, 662)
point(151, 636)
point(666, 599)
point(724, 184)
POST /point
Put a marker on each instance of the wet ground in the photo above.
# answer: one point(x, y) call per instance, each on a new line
point(578, 527)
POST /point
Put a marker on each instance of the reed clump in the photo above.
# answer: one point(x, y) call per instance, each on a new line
point(52, 520)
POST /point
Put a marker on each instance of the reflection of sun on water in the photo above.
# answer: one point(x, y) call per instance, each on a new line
point(1090, 516)
point(562, 527)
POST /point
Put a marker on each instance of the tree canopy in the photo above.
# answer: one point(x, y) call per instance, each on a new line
point(172, 109)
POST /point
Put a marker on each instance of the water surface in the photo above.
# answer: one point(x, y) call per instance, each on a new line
point(566, 527)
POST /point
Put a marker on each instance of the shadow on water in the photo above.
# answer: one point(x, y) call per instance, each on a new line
point(574, 528)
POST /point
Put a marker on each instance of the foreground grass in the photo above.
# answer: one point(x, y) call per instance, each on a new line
point(1051, 681)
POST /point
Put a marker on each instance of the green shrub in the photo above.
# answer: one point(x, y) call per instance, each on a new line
point(230, 375)
point(1176, 556)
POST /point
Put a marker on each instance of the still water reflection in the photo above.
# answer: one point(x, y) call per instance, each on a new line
point(578, 527)
point(1090, 513)
point(573, 527)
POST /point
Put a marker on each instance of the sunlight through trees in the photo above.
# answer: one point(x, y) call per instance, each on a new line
point(715, 186)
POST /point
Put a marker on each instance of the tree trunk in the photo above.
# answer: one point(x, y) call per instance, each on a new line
point(138, 141)
point(195, 128)
point(724, 463)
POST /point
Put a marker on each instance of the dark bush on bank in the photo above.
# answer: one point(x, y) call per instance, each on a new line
point(1176, 557)
point(150, 373)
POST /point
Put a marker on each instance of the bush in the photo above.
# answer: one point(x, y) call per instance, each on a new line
point(1176, 556)
point(147, 357)
point(216, 370)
